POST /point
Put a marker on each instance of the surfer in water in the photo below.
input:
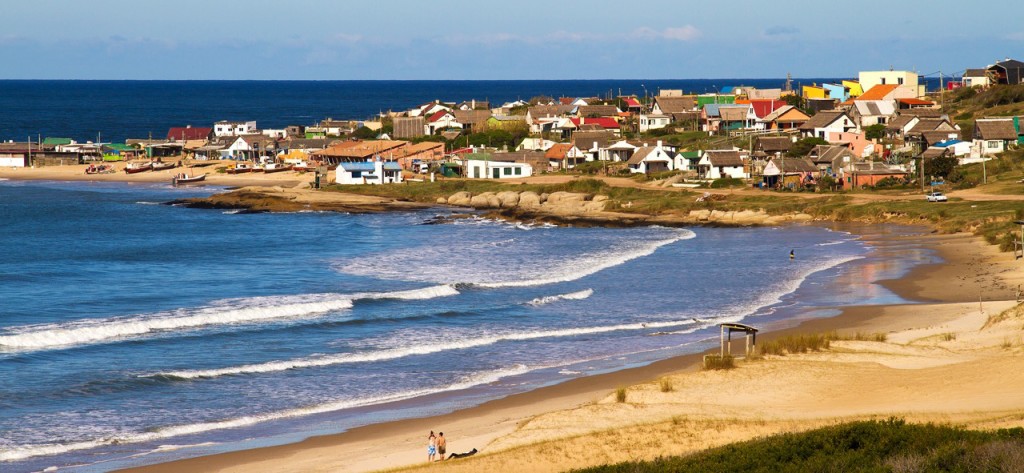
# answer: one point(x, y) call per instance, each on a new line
point(792, 255)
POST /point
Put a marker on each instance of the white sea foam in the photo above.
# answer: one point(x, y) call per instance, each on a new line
point(29, 451)
point(143, 202)
point(394, 353)
point(232, 211)
point(572, 296)
point(587, 265)
point(253, 310)
point(832, 243)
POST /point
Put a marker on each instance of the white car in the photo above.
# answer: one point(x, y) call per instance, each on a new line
point(936, 197)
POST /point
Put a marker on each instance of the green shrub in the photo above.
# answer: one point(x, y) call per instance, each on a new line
point(858, 446)
point(726, 182)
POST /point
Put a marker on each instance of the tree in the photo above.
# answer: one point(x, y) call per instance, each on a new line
point(874, 132)
point(803, 147)
point(364, 133)
point(940, 167)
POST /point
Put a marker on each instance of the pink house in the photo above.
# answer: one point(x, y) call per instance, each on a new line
point(857, 143)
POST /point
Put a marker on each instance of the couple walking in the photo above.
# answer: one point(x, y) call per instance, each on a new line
point(436, 445)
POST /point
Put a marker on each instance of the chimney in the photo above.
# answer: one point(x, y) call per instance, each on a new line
point(659, 143)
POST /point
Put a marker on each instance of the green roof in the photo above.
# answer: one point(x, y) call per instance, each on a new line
point(690, 154)
point(119, 147)
point(56, 141)
point(479, 156)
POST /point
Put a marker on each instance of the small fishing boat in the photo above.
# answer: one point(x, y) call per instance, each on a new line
point(185, 178)
point(135, 168)
point(101, 169)
point(239, 168)
point(275, 167)
point(161, 166)
point(302, 167)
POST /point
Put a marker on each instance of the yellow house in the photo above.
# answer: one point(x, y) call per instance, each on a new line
point(905, 79)
point(856, 90)
point(814, 92)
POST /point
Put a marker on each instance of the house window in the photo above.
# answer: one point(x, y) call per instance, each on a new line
point(993, 145)
point(899, 81)
point(821, 134)
point(508, 171)
point(881, 121)
point(357, 174)
point(519, 171)
point(883, 81)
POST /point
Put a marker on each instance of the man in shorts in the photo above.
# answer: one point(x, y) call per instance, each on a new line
point(442, 444)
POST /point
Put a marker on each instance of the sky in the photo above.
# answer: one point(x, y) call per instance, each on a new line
point(524, 39)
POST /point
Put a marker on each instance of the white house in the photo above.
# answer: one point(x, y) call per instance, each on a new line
point(440, 121)
point(653, 122)
point(976, 78)
point(535, 144)
point(428, 109)
point(374, 172)
point(277, 134)
point(487, 169)
point(716, 164)
point(648, 159)
point(872, 112)
point(831, 121)
point(903, 79)
point(229, 128)
point(621, 150)
point(993, 135)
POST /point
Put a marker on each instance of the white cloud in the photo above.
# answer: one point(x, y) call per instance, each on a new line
point(682, 33)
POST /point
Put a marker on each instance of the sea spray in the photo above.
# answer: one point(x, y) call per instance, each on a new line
point(572, 296)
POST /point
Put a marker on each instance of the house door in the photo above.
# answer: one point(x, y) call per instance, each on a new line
point(497, 173)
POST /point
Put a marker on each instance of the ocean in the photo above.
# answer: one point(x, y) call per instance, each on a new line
point(113, 111)
point(133, 332)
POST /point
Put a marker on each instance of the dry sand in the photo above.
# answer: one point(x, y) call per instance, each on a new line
point(942, 362)
point(77, 173)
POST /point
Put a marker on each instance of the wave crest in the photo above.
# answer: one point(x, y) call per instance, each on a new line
point(572, 296)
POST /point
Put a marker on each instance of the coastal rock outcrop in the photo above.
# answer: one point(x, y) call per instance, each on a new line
point(556, 203)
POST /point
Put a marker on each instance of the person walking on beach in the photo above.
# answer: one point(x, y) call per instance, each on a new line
point(431, 446)
point(442, 445)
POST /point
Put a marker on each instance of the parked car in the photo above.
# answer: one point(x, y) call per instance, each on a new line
point(936, 197)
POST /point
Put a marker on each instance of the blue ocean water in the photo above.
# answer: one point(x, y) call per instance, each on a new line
point(118, 110)
point(132, 332)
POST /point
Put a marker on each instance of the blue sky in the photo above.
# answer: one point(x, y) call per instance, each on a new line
point(442, 39)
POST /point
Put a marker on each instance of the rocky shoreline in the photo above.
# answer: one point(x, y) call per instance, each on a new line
point(558, 208)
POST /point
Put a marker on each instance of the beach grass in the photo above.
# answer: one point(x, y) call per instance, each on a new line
point(665, 385)
point(889, 445)
point(620, 394)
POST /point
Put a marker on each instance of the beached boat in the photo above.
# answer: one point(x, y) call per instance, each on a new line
point(160, 166)
point(302, 167)
point(185, 178)
point(275, 167)
point(101, 169)
point(134, 168)
point(239, 168)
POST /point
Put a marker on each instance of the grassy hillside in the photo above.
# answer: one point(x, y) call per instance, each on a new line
point(888, 446)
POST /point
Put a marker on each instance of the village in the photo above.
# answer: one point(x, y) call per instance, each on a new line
point(882, 129)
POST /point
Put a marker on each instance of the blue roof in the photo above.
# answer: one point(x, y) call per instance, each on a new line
point(357, 166)
point(947, 143)
point(727, 89)
point(712, 109)
point(392, 166)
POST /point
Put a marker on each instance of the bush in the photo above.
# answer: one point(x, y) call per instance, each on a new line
point(827, 184)
point(888, 445)
point(620, 395)
point(665, 385)
point(592, 167)
point(726, 182)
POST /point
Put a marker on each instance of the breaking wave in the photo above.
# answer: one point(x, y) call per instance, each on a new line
point(252, 310)
point(587, 265)
point(572, 296)
point(394, 353)
point(29, 451)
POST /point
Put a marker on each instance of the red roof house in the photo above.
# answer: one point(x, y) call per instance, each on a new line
point(188, 133)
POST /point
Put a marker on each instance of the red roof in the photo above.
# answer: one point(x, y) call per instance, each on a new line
point(764, 107)
point(566, 100)
point(437, 116)
point(631, 102)
point(188, 133)
point(916, 102)
point(604, 122)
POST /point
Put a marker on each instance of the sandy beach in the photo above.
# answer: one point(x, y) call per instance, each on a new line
point(943, 361)
point(213, 178)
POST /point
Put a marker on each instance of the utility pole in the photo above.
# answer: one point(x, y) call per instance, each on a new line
point(921, 172)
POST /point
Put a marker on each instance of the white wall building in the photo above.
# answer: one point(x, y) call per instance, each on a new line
point(486, 169)
point(648, 159)
point(229, 128)
point(375, 172)
point(653, 122)
point(906, 79)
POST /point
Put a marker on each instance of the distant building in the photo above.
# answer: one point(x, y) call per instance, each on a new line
point(1009, 71)
point(231, 128)
point(189, 133)
point(905, 79)
point(374, 172)
point(409, 127)
point(976, 78)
